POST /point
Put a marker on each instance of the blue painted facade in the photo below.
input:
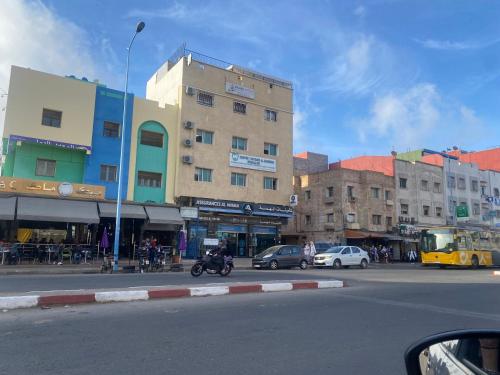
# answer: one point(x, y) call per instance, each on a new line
point(106, 150)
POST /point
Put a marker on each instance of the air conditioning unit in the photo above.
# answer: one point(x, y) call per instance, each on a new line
point(187, 159)
point(188, 142)
point(188, 125)
point(189, 91)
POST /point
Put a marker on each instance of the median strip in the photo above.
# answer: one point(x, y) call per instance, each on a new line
point(52, 299)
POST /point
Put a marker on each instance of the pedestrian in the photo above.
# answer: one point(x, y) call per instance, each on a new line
point(385, 254)
point(391, 254)
point(377, 251)
point(307, 252)
point(312, 252)
point(372, 253)
point(412, 256)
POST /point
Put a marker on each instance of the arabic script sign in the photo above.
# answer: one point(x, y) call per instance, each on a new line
point(235, 89)
point(252, 162)
point(243, 208)
point(71, 146)
point(49, 188)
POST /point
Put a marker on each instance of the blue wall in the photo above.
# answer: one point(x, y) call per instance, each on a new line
point(106, 150)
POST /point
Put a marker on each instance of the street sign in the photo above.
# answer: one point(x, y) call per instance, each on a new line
point(462, 213)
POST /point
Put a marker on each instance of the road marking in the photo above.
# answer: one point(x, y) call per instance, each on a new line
point(423, 307)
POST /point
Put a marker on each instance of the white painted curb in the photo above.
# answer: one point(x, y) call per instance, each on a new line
point(496, 273)
point(330, 284)
point(209, 291)
point(18, 302)
point(277, 287)
point(122, 296)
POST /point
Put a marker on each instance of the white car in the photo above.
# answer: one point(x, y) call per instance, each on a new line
point(342, 256)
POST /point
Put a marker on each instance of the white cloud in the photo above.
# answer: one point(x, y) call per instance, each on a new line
point(299, 123)
point(449, 45)
point(360, 11)
point(33, 36)
point(418, 117)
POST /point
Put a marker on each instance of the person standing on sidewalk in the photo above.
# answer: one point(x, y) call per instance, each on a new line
point(307, 252)
point(312, 252)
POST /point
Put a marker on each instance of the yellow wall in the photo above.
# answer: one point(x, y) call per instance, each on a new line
point(30, 91)
point(148, 110)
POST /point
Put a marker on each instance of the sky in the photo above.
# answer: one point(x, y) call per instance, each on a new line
point(369, 76)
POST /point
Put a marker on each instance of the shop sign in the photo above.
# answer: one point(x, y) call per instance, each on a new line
point(239, 90)
point(407, 230)
point(243, 208)
point(211, 241)
point(189, 212)
point(71, 146)
point(493, 200)
point(52, 189)
point(251, 162)
point(462, 213)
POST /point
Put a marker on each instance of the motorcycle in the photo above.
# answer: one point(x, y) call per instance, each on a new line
point(107, 263)
point(213, 264)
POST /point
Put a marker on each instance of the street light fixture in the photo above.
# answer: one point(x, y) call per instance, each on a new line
point(140, 26)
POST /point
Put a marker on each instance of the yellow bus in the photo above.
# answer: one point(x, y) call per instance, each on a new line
point(460, 246)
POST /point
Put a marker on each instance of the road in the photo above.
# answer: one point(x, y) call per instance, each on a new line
point(360, 329)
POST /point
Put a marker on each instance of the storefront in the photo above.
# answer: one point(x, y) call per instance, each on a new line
point(243, 228)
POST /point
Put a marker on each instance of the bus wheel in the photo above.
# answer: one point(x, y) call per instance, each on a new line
point(475, 262)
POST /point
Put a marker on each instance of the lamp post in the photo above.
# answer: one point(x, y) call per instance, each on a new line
point(140, 26)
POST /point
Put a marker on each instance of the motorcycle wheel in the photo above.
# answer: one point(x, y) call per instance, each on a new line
point(226, 270)
point(196, 270)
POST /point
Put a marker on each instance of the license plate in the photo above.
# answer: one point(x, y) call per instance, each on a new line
point(257, 266)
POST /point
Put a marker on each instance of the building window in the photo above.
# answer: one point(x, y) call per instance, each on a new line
point(308, 219)
point(476, 209)
point(51, 118)
point(111, 129)
point(203, 174)
point(439, 211)
point(426, 210)
point(375, 193)
point(483, 189)
point(45, 167)
point(271, 115)
point(329, 218)
point(437, 187)
point(403, 182)
point(350, 192)
point(377, 219)
point(270, 149)
point(424, 184)
point(474, 185)
point(239, 107)
point(404, 209)
point(239, 143)
point(238, 179)
point(270, 183)
point(204, 136)
point(387, 195)
point(151, 138)
point(461, 183)
point(452, 204)
point(451, 182)
point(149, 179)
point(388, 221)
point(205, 99)
point(498, 214)
point(307, 195)
point(108, 173)
point(329, 191)
point(496, 192)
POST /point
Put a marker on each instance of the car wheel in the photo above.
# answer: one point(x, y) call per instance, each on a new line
point(273, 265)
point(337, 264)
point(364, 264)
point(475, 262)
point(303, 265)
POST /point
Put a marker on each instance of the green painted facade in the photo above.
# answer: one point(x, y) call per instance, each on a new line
point(410, 155)
point(151, 159)
point(20, 161)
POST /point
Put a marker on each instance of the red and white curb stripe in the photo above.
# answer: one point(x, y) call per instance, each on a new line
point(19, 302)
point(496, 273)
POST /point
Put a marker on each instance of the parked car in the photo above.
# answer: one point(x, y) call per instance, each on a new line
point(342, 256)
point(321, 247)
point(280, 256)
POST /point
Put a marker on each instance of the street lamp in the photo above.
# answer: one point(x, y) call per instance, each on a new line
point(140, 26)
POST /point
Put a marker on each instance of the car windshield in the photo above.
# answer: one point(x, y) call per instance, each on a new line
point(270, 250)
point(335, 249)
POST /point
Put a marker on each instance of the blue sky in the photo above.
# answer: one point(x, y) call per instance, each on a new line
point(370, 76)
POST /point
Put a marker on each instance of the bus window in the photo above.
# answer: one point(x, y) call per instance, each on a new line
point(476, 244)
point(439, 240)
point(462, 242)
point(485, 241)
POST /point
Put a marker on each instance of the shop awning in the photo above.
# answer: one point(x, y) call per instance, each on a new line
point(164, 215)
point(351, 233)
point(60, 210)
point(129, 211)
point(7, 208)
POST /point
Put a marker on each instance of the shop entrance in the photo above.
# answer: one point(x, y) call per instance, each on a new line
point(263, 237)
point(234, 237)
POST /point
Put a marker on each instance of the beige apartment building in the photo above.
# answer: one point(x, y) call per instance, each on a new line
point(342, 206)
point(235, 149)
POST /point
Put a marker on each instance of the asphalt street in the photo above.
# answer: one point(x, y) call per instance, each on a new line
point(360, 329)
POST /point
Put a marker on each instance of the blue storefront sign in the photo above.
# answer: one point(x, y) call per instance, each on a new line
point(15, 138)
point(243, 208)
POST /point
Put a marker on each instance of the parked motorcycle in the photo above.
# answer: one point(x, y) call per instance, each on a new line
point(213, 264)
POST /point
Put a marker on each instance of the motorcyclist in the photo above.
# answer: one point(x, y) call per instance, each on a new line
point(216, 259)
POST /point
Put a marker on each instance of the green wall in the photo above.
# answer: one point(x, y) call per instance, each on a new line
point(151, 159)
point(21, 162)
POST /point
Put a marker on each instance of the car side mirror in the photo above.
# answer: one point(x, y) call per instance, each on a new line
point(467, 352)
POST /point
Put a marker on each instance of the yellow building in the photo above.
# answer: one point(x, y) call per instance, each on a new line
point(234, 163)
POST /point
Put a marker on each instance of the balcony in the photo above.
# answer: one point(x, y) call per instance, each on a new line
point(329, 226)
point(352, 226)
point(328, 200)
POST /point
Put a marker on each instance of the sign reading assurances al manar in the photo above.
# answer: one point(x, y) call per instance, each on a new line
point(50, 188)
point(252, 162)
